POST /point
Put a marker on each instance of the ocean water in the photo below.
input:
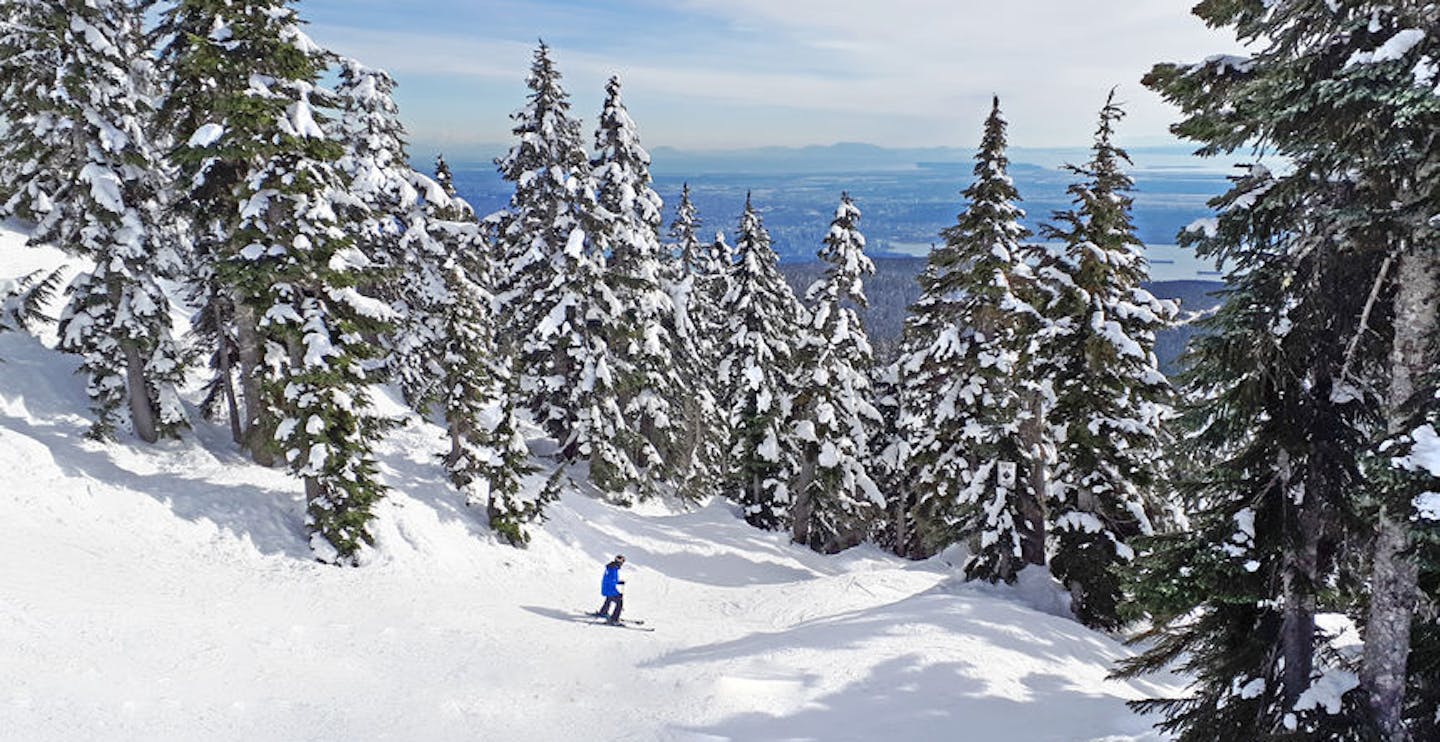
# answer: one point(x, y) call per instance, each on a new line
point(904, 209)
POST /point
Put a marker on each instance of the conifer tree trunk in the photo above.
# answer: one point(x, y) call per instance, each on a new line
point(694, 435)
point(1394, 575)
point(142, 412)
point(458, 431)
point(1032, 433)
point(315, 492)
point(902, 527)
point(1032, 532)
point(1300, 574)
point(1297, 629)
point(232, 409)
point(256, 432)
point(804, 503)
point(1387, 634)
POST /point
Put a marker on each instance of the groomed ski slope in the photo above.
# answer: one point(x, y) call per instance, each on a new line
point(167, 593)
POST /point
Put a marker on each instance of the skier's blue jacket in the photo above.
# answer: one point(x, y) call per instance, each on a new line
point(610, 584)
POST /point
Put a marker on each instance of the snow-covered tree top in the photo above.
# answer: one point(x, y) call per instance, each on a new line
point(758, 293)
point(685, 231)
point(1099, 232)
point(376, 160)
point(844, 251)
point(548, 137)
point(983, 253)
point(622, 167)
point(368, 95)
point(617, 138)
point(443, 176)
point(243, 85)
point(752, 244)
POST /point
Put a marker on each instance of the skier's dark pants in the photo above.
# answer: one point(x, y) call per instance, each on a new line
point(618, 600)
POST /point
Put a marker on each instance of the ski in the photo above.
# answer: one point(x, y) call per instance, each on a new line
point(625, 623)
point(632, 625)
point(593, 614)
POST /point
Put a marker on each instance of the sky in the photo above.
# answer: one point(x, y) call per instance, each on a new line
point(722, 74)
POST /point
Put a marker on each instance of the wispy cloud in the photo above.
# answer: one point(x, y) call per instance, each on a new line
point(417, 53)
point(735, 72)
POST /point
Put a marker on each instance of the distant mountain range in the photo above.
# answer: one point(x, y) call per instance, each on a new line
point(854, 157)
point(842, 157)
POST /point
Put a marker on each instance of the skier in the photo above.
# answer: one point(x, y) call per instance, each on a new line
point(610, 588)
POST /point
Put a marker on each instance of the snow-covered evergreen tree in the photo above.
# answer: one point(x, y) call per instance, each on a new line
point(261, 155)
point(1111, 398)
point(1344, 93)
point(889, 459)
point(714, 271)
point(699, 325)
point(23, 299)
point(646, 339)
point(832, 417)
point(982, 402)
point(553, 197)
point(714, 281)
point(925, 467)
point(685, 233)
point(391, 224)
point(85, 170)
point(1273, 431)
point(695, 317)
point(208, 53)
point(444, 176)
point(757, 363)
point(27, 45)
point(935, 387)
point(553, 289)
point(488, 458)
point(315, 330)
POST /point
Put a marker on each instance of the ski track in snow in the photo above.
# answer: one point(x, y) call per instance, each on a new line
point(167, 593)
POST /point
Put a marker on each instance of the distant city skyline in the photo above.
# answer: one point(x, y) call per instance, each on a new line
point(725, 74)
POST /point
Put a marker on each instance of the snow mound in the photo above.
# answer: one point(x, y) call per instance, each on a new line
point(167, 593)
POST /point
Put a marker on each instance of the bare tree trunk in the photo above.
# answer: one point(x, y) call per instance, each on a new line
point(690, 448)
point(804, 503)
point(1297, 627)
point(137, 392)
point(902, 521)
point(227, 381)
point(1032, 536)
point(1032, 507)
point(258, 428)
point(457, 430)
point(1387, 634)
point(142, 409)
point(1394, 575)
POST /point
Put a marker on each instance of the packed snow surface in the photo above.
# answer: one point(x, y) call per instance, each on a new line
point(168, 593)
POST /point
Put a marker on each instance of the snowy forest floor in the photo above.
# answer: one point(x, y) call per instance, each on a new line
point(168, 593)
